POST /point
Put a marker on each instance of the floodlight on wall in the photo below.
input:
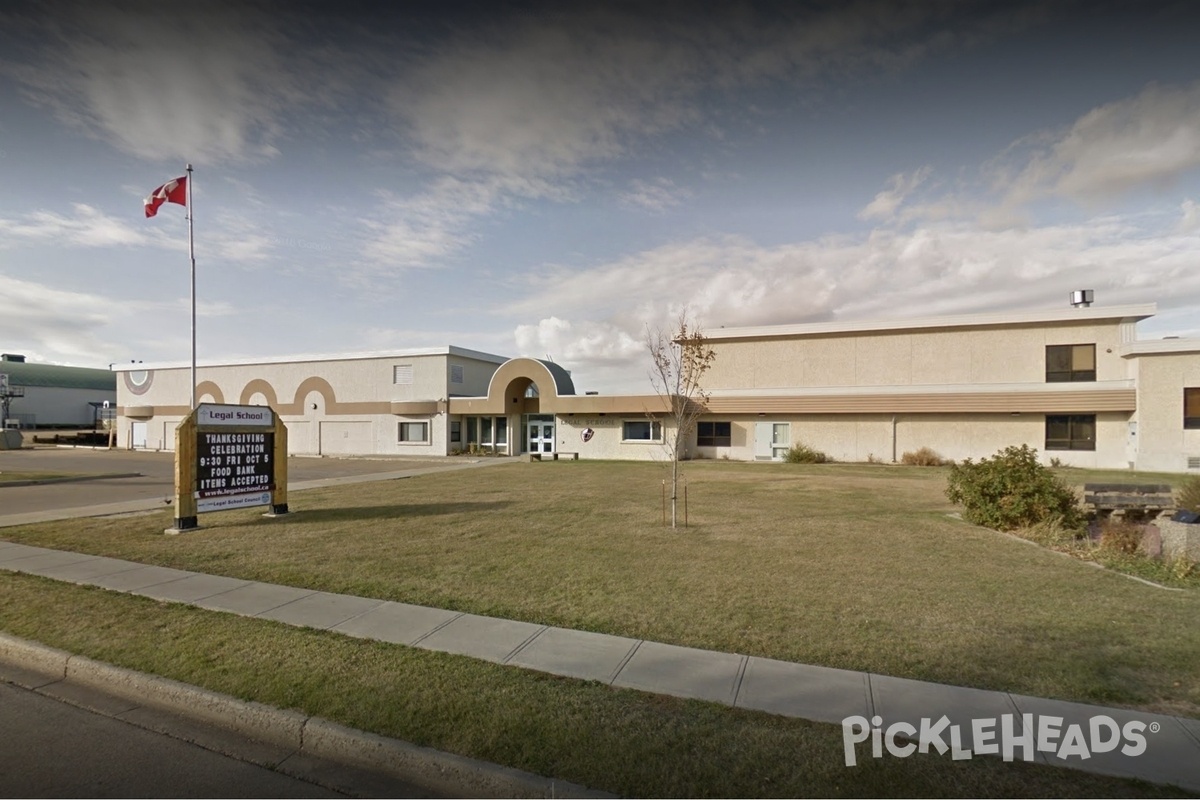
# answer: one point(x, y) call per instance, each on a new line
point(1082, 298)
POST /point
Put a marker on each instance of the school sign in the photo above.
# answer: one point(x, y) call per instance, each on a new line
point(229, 457)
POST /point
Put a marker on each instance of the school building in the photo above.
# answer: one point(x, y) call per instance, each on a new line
point(1075, 383)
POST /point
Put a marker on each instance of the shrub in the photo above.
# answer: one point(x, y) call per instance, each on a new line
point(925, 457)
point(1012, 490)
point(1188, 496)
point(1120, 537)
point(803, 454)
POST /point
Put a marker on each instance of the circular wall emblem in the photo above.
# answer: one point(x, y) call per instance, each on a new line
point(586, 434)
point(138, 381)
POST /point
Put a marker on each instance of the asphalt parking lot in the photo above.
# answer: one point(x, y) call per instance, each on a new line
point(155, 475)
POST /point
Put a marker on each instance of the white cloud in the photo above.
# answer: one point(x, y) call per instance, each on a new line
point(943, 269)
point(899, 187)
point(657, 195)
point(1189, 218)
point(201, 82)
point(88, 227)
point(1150, 139)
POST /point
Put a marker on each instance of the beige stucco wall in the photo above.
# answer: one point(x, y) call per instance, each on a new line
point(846, 437)
point(607, 443)
point(1163, 444)
point(939, 357)
point(340, 407)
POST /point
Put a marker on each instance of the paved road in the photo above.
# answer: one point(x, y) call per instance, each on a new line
point(158, 475)
point(52, 749)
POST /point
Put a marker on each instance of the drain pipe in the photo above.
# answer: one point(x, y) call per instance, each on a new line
point(893, 438)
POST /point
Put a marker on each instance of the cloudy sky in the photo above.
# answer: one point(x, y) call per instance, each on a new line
point(550, 179)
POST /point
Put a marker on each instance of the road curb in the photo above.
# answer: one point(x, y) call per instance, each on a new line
point(40, 665)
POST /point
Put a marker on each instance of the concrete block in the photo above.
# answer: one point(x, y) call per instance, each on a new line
point(799, 690)
point(683, 672)
point(1179, 539)
point(488, 638)
point(576, 654)
point(399, 623)
point(321, 610)
point(1171, 753)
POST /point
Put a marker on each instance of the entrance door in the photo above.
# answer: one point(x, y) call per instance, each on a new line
point(541, 437)
point(137, 435)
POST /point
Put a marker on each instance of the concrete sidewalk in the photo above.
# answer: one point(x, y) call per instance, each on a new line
point(1172, 744)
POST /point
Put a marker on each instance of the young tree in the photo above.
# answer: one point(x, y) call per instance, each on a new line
point(679, 361)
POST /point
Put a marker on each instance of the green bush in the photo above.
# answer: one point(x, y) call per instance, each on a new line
point(803, 454)
point(1188, 496)
point(925, 457)
point(1012, 490)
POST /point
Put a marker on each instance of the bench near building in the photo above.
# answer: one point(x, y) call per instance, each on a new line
point(1075, 383)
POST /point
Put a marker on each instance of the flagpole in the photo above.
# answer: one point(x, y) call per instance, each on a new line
point(192, 256)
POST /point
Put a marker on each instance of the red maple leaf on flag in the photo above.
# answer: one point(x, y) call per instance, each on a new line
point(170, 192)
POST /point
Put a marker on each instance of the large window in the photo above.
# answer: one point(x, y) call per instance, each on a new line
point(1191, 408)
point(1067, 363)
point(413, 433)
point(641, 431)
point(713, 434)
point(1074, 432)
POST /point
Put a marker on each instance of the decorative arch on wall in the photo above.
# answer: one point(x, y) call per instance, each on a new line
point(307, 387)
point(259, 386)
point(210, 389)
point(506, 390)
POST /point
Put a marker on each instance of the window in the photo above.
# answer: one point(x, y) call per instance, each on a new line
point(455, 432)
point(456, 373)
point(485, 430)
point(641, 431)
point(1075, 432)
point(1068, 363)
point(713, 434)
point(1191, 408)
point(414, 433)
point(402, 374)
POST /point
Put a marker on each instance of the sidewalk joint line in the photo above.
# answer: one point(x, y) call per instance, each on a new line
point(417, 642)
point(737, 681)
point(625, 661)
point(528, 641)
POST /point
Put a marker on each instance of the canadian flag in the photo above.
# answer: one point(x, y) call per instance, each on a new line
point(170, 192)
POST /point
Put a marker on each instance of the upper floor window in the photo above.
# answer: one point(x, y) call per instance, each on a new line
point(456, 373)
point(1191, 408)
point(402, 374)
point(1066, 363)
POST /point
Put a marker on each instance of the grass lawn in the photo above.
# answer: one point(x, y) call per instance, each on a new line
point(623, 741)
point(852, 566)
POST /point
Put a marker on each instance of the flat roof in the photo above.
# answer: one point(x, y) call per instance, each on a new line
point(1166, 346)
point(1132, 313)
point(447, 350)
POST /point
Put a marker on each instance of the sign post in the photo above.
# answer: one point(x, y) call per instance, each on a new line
point(229, 457)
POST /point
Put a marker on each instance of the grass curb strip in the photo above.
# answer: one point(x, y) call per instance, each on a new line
point(445, 772)
point(72, 479)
